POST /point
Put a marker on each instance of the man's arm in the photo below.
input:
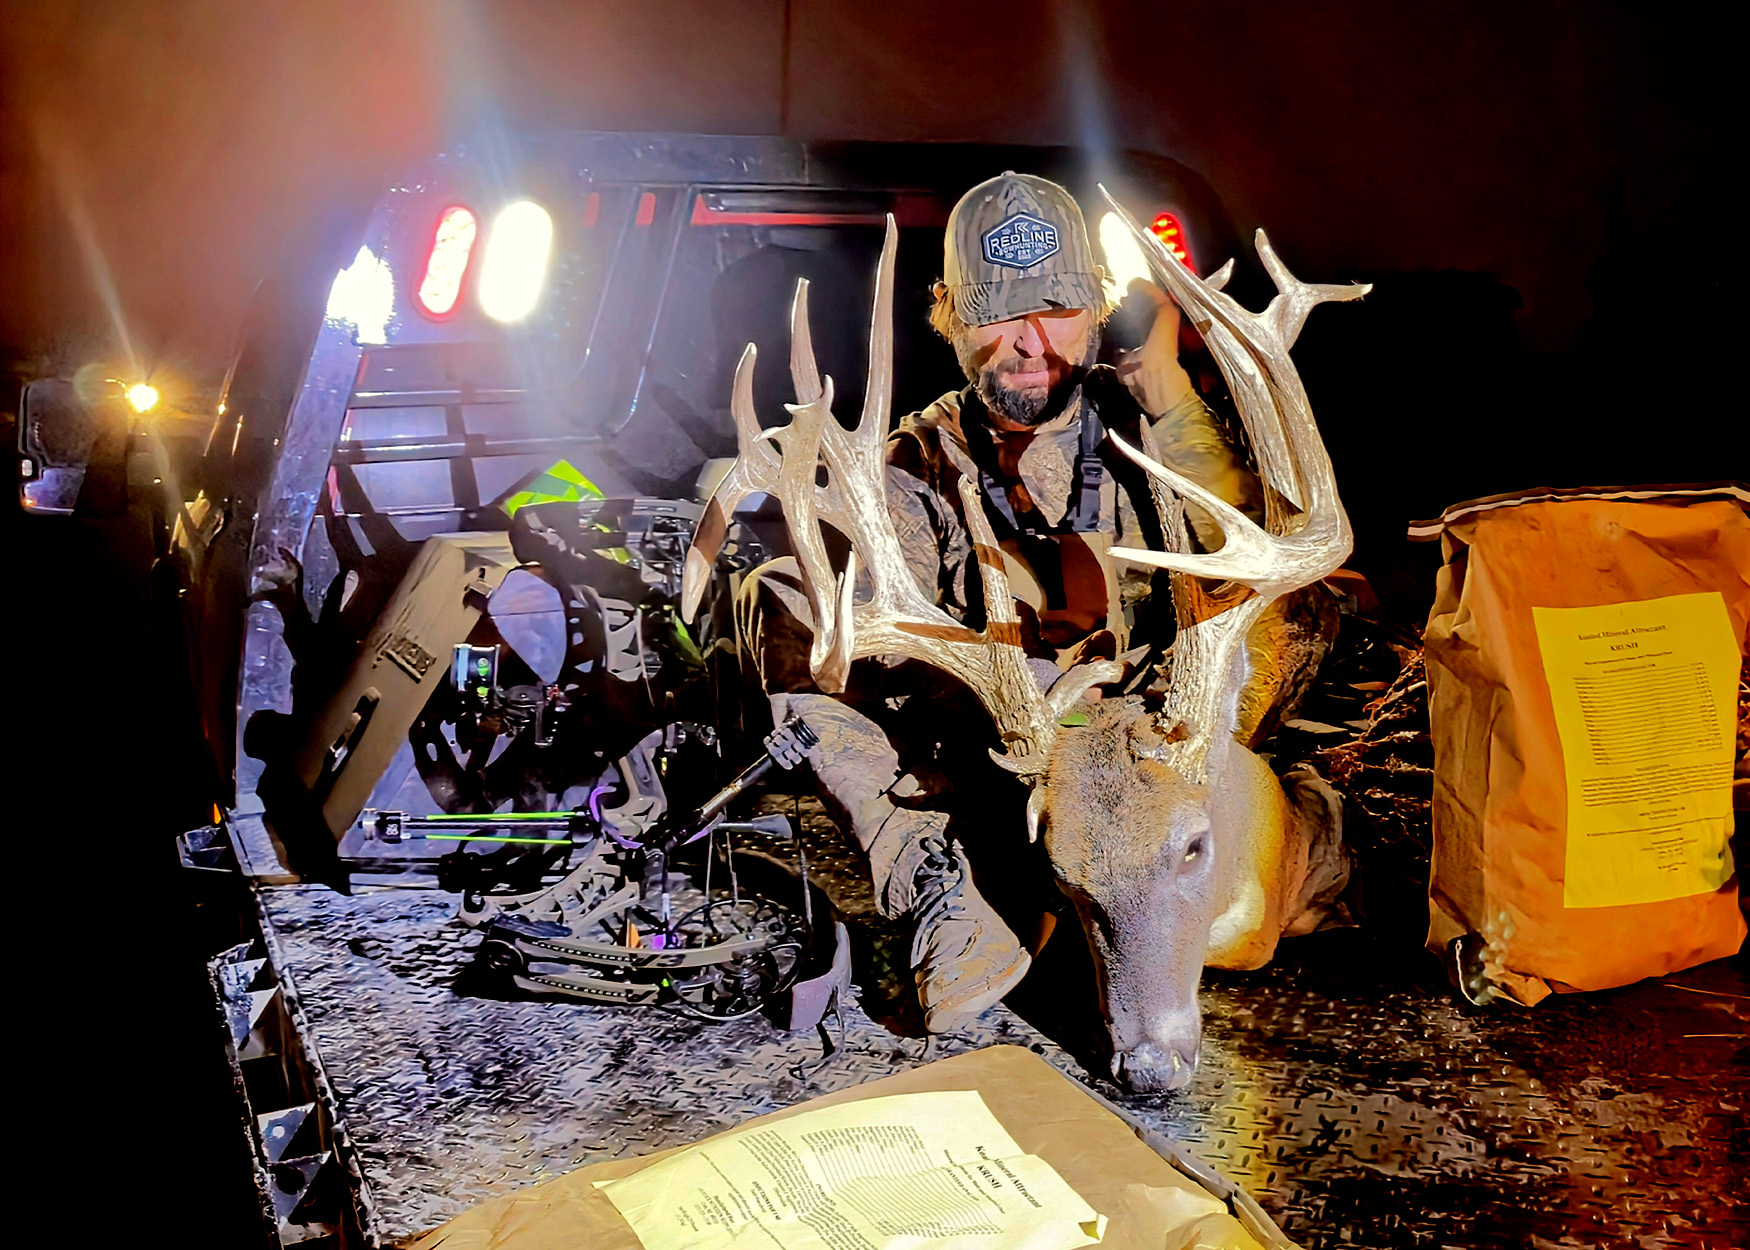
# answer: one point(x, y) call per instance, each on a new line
point(1153, 372)
point(1189, 438)
point(931, 535)
point(931, 538)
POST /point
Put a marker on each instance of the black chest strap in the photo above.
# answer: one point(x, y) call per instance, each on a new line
point(1083, 514)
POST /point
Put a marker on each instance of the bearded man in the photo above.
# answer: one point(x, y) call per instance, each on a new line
point(1022, 303)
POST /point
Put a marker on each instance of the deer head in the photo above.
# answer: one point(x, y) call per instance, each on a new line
point(1131, 804)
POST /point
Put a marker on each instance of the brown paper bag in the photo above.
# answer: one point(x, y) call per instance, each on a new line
point(1584, 654)
point(1151, 1205)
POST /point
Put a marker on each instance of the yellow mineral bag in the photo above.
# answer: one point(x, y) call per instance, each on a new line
point(1584, 654)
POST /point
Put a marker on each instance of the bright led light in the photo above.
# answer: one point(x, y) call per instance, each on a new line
point(448, 262)
point(1124, 259)
point(516, 261)
point(142, 397)
point(363, 296)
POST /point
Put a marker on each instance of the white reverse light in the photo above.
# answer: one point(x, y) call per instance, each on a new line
point(363, 296)
point(515, 265)
point(1124, 259)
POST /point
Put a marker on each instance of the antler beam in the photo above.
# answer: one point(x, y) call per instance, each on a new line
point(1252, 350)
point(1290, 550)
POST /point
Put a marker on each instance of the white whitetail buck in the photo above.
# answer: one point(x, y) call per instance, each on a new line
point(1174, 840)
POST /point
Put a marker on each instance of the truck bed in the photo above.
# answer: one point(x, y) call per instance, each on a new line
point(1357, 1102)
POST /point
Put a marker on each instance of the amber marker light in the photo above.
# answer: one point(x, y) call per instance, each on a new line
point(142, 397)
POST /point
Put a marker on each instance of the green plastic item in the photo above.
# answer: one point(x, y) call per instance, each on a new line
point(559, 482)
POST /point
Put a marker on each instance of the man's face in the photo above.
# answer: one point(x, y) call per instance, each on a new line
point(1025, 368)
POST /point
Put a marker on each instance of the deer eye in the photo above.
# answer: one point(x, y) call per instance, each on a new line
point(1194, 851)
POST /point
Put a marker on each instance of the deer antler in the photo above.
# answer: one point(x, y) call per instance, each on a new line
point(1290, 550)
point(898, 618)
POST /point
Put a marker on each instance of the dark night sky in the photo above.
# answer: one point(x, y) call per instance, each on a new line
point(1369, 137)
point(1520, 178)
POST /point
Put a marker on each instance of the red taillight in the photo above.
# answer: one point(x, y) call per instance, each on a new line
point(1166, 228)
point(451, 247)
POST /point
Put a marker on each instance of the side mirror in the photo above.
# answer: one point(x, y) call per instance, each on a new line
point(56, 433)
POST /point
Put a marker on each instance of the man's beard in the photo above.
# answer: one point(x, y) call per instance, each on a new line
point(1030, 408)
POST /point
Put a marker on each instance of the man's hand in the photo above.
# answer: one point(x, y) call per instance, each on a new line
point(1153, 371)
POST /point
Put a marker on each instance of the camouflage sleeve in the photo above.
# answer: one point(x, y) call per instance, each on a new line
point(1191, 442)
point(1135, 581)
point(931, 537)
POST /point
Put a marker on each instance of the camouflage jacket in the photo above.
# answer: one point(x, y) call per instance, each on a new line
point(1058, 498)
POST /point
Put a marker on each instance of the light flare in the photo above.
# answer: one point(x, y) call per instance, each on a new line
point(142, 397)
point(363, 296)
point(1124, 259)
point(515, 266)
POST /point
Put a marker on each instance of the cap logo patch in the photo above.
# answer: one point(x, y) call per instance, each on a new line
point(1020, 242)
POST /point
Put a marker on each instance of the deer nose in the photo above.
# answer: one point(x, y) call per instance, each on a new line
point(1153, 1069)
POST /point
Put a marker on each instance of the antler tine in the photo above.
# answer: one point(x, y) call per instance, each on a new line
point(755, 469)
point(1283, 318)
point(1068, 690)
point(853, 497)
point(999, 601)
point(1248, 555)
point(814, 435)
point(1296, 298)
point(797, 494)
point(1235, 525)
point(804, 372)
point(871, 432)
point(750, 437)
point(1029, 741)
point(1193, 601)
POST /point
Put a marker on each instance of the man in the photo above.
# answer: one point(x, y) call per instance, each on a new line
point(1022, 303)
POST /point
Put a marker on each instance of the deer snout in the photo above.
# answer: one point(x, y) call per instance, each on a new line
point(1164, 1057)
point(1156, 1068)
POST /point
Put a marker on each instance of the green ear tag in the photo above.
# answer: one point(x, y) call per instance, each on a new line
point(1072, 720)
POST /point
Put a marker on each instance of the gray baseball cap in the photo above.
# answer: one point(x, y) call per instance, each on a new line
point(1017, 245)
